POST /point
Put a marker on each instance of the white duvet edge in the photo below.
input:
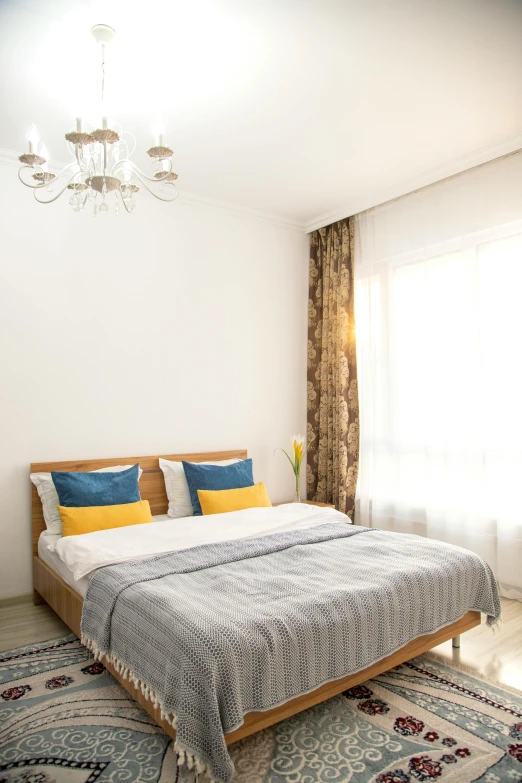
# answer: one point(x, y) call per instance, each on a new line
point(85, 553)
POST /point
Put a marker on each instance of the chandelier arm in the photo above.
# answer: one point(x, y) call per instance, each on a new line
point(128, 164)
point(72, 181)
point(49, 189)
point(49, 186)
point(166, 172)
point(75, 179)
point(35, 169)
point(29, 184)
point(144, 180)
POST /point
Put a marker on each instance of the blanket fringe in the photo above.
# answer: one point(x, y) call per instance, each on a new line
point(185, 756)
point(194, 762)
point(495, 624)
point(127, 674)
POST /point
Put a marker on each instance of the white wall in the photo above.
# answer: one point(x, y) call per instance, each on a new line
point(177, 328)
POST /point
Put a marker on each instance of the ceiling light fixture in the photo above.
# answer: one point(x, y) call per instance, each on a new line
point(101, 161)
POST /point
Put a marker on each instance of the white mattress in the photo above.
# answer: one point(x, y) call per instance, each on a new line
point(51, 559)
point(59, 567)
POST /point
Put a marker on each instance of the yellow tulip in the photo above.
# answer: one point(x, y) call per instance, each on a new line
point(298, 451)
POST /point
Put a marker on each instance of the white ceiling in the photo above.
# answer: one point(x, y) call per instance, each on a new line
point(308, 110)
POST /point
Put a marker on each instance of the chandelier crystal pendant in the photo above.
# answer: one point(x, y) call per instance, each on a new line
point(101, 162)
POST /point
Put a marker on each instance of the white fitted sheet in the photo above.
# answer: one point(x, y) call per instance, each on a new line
point(46, 544)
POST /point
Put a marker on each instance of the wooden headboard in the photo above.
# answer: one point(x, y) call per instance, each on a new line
point(152, 483)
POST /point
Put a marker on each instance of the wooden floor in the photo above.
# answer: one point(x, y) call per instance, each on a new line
point(496, 654)
point(23, 623)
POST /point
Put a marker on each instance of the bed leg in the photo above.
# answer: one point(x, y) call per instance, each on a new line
point(37, 598)
point(455, 642)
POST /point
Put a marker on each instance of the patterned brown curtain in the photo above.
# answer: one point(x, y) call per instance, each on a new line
point(333, 404)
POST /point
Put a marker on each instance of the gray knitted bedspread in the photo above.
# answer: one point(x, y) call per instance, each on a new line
point(216, 631)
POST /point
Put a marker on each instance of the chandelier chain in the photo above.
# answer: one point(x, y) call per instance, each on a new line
point(103, 73)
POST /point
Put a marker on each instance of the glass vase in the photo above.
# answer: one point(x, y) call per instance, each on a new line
point(297, 498)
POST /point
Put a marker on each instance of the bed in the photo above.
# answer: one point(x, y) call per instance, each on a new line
point(65, 595)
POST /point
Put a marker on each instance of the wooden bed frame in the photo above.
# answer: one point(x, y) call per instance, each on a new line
point(67, 603)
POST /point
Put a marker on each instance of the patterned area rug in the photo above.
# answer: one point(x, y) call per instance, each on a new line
point(64, 719)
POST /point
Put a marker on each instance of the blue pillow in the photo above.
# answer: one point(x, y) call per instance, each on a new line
point(78, 490)
point(234, 476)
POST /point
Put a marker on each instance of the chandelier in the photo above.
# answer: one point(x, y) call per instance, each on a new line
point(101, 163)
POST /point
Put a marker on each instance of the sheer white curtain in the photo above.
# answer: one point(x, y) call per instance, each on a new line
point(438, 304)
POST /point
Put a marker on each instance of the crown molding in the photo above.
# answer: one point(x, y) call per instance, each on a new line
point(477, 157)
point(10, 158)
point(357, 204)
point(244, 212)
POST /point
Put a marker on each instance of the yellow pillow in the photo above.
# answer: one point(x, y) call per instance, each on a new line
point(221, 500)
point(89, 519)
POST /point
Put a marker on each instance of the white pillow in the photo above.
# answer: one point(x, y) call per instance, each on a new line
point(180, 504)
point(49, 497)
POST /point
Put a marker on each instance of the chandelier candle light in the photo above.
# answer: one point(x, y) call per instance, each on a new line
point(101, 161)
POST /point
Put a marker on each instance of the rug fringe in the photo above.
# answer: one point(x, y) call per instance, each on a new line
point(185, 756)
